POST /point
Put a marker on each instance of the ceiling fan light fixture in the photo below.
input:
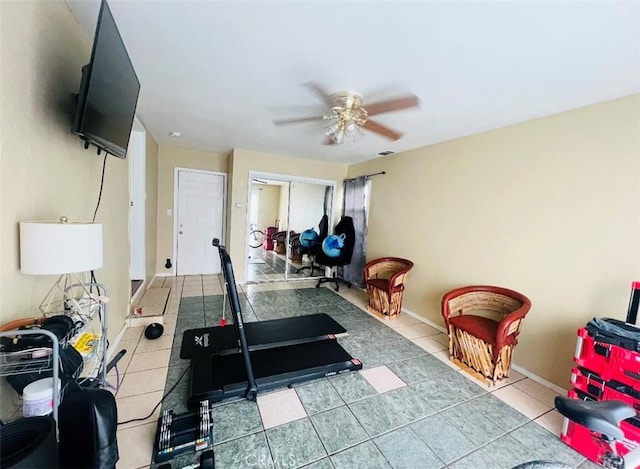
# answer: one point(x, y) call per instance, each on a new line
point(350, 116)
point(336, 132)
point(358, 134)
point(332, 129)
point(344, 127)
point(332, 132)
point(338, 137)
point(351, 129)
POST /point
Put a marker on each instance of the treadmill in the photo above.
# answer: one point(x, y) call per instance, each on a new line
point(219, 340)
point(217, 377)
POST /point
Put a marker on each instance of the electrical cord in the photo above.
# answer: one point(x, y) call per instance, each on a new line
point(95, 213)
point(118, 381)
point(161, 400)
point(104, 164)
point(94, 282)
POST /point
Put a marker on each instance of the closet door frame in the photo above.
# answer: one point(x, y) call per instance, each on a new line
point(290, 179)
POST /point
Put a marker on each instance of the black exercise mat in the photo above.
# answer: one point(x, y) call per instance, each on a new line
point(260, 335)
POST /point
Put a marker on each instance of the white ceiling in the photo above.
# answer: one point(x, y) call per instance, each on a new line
point(219, 72)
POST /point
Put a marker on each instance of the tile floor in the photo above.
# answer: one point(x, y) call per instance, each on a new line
point(267, 265)
point(408, 408)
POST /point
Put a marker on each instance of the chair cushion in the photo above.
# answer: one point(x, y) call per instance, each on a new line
point(380, 283)
point(482, 328)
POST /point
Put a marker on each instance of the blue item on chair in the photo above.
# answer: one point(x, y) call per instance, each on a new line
point(332, 245)
point(308, 238)
point(345, 230)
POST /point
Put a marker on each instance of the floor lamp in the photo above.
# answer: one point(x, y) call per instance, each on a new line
point(60, 248)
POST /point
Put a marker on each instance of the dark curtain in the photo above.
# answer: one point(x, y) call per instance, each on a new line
point(354, 207)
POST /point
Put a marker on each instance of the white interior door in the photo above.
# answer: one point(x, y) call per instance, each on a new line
point(200, 218)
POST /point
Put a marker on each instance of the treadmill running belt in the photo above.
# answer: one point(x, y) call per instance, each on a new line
point(263, 334)
point(222, 376)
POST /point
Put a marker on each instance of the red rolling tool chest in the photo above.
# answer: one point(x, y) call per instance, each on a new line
point(608, 368)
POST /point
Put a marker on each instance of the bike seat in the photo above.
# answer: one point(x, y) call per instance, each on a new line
point(599, 416)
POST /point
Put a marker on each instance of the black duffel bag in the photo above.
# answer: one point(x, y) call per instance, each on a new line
point(615, 332)
point(88, 420)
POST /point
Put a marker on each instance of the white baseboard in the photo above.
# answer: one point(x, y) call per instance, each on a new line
point(519, 369)
point(539, 379)
point(425, 320)
point(114, 344)
point(139, 292)
point(143, 321)
point(168, 274)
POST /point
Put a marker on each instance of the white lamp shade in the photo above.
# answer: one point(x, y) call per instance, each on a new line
point(56, 248)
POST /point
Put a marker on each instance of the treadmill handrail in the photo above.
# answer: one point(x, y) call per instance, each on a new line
point(234, 303)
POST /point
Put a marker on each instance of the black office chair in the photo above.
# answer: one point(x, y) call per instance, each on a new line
point(344, 227)
point(312, 251)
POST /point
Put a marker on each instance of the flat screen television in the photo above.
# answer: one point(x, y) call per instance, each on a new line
point(108, 91)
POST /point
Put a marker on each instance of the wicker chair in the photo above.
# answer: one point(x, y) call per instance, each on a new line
point(294, 248)
point(280, 242)
point(483, 323)
point(384, 279)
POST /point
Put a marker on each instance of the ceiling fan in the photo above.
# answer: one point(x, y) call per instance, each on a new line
point(350, 115)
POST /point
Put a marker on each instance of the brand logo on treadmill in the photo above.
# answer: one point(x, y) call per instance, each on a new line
point(202, 341)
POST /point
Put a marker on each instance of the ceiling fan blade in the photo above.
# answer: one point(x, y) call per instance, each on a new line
point(392, 105)
point(320, 93)
point(382, 130)
point(297, 120)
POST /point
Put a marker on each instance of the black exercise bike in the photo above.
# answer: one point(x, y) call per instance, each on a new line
point(603, 419)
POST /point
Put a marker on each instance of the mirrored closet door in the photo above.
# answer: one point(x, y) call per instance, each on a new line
point(287, 220)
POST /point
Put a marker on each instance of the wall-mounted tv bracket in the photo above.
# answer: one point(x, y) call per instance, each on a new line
point(87, 144)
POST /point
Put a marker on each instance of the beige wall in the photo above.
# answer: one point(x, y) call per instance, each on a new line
point(170, 158)
point(44, 170)
point(151, 208)
point(269, 204)
point(549, 207)
point(243, 161)
point(306, 206)
point(283, 208)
